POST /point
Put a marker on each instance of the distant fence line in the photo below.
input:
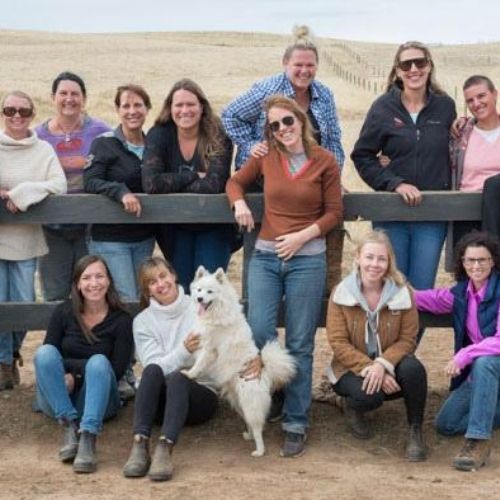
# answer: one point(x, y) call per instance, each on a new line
point(209, 209)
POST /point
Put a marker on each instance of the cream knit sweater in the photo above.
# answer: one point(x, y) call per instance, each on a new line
point(30, 171)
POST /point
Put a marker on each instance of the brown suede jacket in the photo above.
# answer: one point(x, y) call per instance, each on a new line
point(345, 329)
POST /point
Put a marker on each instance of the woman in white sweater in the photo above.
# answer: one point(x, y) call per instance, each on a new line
point(29, 171)
point(164, 341)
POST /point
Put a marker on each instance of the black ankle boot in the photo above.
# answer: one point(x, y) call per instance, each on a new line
point(86, 460)
point(69, 448)
point(416, 450)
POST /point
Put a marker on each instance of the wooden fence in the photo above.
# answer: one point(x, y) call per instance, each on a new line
point(190, 208)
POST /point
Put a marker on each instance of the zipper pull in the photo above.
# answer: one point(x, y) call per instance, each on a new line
point(418, 134)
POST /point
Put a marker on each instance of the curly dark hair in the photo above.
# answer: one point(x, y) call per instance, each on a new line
point(476, 239)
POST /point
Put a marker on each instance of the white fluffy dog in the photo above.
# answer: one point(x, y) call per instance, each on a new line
point(226, 345)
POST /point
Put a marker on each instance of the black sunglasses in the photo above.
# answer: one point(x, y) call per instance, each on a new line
point(288, 121)
point(419, 62)
point(10, 112)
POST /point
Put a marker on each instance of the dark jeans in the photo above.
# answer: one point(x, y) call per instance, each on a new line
point(172, 401)
point(411, 377)
point(490, 211)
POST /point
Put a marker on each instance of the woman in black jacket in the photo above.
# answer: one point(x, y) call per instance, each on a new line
point(115, 171)
point(86, 350)
point(410, 125)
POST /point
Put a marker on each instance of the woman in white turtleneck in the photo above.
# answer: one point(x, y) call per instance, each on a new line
point(29, 171)
point(164, 341)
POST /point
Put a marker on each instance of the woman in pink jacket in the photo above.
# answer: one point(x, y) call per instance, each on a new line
point(473, 406)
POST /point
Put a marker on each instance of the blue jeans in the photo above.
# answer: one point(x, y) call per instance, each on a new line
point(300, 284)
point(66, 246)
point(123, 259)
point(473, 408)
point(16, 285)
point(97, 400)
point(210, 248)
point(417, 246)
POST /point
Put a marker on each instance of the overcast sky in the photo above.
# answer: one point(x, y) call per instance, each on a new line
point(446, 21)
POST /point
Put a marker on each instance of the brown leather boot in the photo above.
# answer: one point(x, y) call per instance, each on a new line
point(357, 423)
point(6, 378)
point(86, 460)
point(161, 467)
point(139, 460)
point(474, 454)
point(416, 450)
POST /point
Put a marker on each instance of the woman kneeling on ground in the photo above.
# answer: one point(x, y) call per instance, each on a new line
point(473, 407)
point(372, 327)
point(165, 342)
point(86, 350)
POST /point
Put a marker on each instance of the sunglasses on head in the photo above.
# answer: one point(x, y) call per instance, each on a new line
point(287, 121)
point(419, 62)
point(10, 112)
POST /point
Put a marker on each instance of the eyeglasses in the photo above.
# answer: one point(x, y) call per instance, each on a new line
point(287, 121)
point(480, 261)
point(419, 62)
point(10, 112)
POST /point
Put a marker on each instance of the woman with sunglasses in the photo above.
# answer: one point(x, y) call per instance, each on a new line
point(70, 132)
point(473, 406)
point(302, 203)
point(410, 125)
point(30, 171)
point(187, 151)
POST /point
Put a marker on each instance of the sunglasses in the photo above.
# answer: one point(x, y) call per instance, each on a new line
point(287, 121)
point(10, 112)
point(419, 62)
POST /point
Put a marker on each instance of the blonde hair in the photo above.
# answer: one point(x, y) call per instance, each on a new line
point(145, 274)
point(21, 95)
point(380, 237)
point(394, 79)
point(303, 40)
point(282, 102)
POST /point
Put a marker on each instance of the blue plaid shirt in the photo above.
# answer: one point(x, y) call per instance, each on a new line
point(244, 118)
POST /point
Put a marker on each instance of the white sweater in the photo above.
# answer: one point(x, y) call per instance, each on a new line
point(159, 333)
point(30, 171)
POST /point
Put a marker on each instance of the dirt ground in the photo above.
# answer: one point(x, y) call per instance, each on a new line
point(213, 461)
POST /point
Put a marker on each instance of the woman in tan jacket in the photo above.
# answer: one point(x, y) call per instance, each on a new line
point(372, 327)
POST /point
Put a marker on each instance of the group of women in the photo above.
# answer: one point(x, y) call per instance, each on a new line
point(289, 140)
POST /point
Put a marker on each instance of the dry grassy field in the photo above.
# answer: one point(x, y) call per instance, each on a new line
point(214, 462)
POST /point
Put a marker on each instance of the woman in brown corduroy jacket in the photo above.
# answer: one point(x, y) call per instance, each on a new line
point(372, 327)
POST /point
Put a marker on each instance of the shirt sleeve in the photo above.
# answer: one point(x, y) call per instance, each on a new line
point(243, 178)
point(365, 154)
point(337, 149)
point(489, 346)
point(158, 175)
point(240, 119)
point(219, 169)
point(435, 301)
point(28, 193)
point(123, 346)
point(95, 176)
point(149, 350)
point(332, 199)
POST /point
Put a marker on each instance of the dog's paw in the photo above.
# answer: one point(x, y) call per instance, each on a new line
point(258, 453)
point(187, 373)
point(247, 436)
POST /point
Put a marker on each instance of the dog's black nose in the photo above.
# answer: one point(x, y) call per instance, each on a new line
point(200, 299)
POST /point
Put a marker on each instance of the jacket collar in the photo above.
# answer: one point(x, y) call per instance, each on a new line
point(400, 301)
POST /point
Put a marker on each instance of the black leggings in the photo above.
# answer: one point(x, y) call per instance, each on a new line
point(490, 210)
point(172, 401)
point(411, 377)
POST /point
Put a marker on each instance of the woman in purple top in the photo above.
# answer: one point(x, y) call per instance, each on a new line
point(473, 406)
point(70, 132)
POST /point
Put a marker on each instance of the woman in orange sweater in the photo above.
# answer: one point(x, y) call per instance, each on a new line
point(302, 203)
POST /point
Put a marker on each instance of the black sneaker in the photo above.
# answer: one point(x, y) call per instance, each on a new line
point(276, 410)
point(293, 445)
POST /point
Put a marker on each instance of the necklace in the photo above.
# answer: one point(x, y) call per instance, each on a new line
point(68, 132)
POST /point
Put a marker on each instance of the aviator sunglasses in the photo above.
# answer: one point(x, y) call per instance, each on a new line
point(10, 112)
point(419, 62)
point(287, 121)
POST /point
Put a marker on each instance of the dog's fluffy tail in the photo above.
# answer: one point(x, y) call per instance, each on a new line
point(279, 365)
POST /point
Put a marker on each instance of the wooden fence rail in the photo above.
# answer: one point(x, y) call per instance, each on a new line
point(189, 208)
